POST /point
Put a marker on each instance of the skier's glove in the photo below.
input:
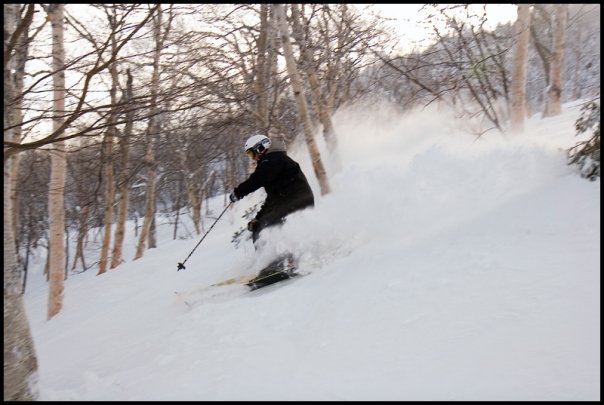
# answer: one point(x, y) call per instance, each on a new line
point(233, 197)
point(252, 225)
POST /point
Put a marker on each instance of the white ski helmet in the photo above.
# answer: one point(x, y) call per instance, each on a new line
point(257, 143)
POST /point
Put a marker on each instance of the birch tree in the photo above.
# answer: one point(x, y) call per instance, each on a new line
point(553, 96)
point(299, 95)
point(518, 108)
point(82, 107)
point(82, 231)
point(152, 131)
point(307, 56)
point(20, 361)
point(18, 66)
point(267, 78)
point(120, 227)
point(108, 149)
point(56, 205)
point(262, 70)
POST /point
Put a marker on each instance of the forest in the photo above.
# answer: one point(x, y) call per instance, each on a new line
point(123, 112)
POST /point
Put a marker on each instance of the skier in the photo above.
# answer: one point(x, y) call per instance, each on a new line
point(287, 189)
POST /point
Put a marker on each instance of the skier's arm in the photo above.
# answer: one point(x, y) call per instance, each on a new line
point(265, 172)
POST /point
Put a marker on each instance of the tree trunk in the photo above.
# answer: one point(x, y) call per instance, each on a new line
point(82, 231)
point(338, 55)
point(307, 55)
point(518, 110)
point(578, 56)
point(266, 79)
point(152, 131)
point(56, 206)
point(300, 99)
point(18, 64)
point(109, 174)
point(275, 91)
point(151, 241)
point(553, 97)
point(20, 362)
point(149, 201)
point(195, 202)
point(262, 71)
point(120, 227)
point(176, 220)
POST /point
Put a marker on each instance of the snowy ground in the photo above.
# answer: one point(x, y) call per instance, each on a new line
point(441, 268)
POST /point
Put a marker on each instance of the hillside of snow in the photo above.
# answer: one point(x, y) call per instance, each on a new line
point(440, 267)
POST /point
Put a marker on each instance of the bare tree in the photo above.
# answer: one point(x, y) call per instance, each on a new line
point(301, 100)
point(146, 234)
point(82, 232)
point(582, 65)
point(34, 176)
point(18, 65)
point(307, 56)
point(476, 72)
point(345, 38)
point(83, 192)
point(56, 197)
point(263, 70)
point(20, 361)
point(108, 149)
point(81, 108)
point(540, 28)
point(120, 227)
point(553, 102)
point(518, 109)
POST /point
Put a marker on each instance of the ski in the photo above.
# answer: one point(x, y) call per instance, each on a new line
point(234, 280)
point(235, 289)
point(271, 278)
point(210, 295)
point(277, 271)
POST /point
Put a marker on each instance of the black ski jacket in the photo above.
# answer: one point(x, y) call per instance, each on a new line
point(287, 189)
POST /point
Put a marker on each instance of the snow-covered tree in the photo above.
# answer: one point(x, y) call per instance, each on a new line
point(586, 154)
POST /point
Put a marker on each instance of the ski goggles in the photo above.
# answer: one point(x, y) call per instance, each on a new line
point(258, 149)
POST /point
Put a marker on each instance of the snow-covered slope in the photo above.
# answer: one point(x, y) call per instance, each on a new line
point(441, 268)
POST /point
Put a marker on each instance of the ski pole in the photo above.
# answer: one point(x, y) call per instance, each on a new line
point(181, 266)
